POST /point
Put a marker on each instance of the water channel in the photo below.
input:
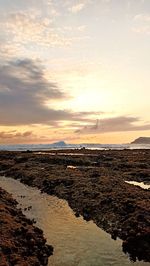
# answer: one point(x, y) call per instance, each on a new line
point(75, 241)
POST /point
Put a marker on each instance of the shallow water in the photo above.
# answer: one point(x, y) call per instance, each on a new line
point(71, 167)
point(75, 241)
point(139, 184)
point(65, 153)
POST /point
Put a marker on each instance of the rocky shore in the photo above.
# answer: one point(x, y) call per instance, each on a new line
point(21, 243)
point(93, 183)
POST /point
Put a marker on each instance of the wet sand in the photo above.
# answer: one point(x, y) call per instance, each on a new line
point(94, 188)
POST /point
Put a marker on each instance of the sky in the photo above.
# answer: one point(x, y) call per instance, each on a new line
point(77, 71)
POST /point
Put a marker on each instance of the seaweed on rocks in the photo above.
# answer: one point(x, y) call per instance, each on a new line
point(98, 192)
point(21, 243)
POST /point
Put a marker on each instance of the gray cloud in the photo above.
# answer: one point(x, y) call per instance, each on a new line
point(116, 124)
point(23, 93)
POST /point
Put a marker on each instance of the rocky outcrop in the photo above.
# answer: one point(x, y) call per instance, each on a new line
point(21, 243)
point(94, 188)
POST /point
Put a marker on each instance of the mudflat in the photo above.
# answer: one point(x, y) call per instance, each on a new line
point(93, 183)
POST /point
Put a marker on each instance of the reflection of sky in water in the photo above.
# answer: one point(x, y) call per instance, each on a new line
point(75, 241)
point(71, 167)
point(139, 184)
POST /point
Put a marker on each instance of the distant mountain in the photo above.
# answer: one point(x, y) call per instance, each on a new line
point(141, 140)
point(59, 144)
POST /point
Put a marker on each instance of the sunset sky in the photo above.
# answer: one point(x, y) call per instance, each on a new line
point(77, 71)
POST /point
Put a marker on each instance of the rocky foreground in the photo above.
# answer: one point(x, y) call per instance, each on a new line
point(21, 243)
point(93, 183)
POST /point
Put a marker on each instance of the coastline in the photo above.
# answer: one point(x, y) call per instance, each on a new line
point(94, 188)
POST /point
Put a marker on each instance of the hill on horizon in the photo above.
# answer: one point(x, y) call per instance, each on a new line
point(141, 140)
point(59, 143)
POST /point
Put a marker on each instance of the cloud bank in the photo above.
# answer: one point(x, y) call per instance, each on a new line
point(5, 135)
point(24, 92)
point(116, 124)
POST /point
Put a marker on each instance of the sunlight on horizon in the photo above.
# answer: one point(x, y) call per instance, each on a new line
point(64, 66)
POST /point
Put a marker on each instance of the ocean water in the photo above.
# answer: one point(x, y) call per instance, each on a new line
point(42, 147)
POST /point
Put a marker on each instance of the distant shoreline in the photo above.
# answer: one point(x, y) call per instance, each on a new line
point(46, 147)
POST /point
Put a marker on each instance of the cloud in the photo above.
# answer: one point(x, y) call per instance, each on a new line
point(22, 137)
point(5, 135)
point(141, 24)
point(24, 91)
point(30, 28)
point(142, 17)
point(116, 124)
point(142, 30)
point(77, 8)
point(31, 34)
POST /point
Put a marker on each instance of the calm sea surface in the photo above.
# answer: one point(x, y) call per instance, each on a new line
point(36, 147)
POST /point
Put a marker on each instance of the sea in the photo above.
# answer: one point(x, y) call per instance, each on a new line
point(46, 147)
